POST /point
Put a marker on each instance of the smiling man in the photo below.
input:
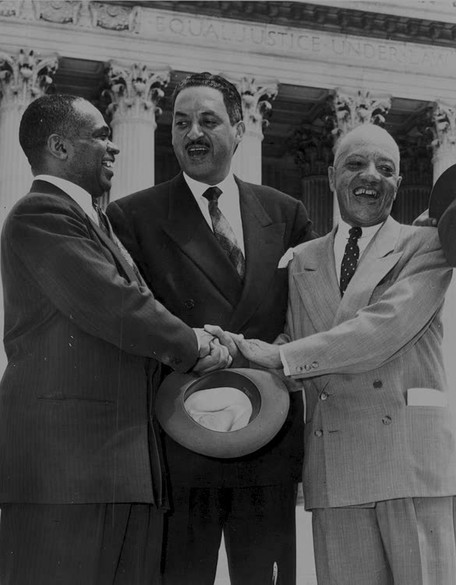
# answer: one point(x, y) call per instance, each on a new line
point(363, 337)
point(209, 246)
point(80, 468)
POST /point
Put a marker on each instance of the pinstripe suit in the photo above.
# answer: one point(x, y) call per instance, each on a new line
point(357, 357)
point(80, 332)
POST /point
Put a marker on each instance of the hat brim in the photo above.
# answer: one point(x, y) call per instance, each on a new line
point(443, 193)
point(270, 404)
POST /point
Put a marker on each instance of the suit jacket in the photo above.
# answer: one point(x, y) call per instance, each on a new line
point(359, 356)
point(182, 262)
point(82, 338)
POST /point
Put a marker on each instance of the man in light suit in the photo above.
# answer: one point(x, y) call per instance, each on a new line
point(171, 234)
point(380, 469)
point(81, 486)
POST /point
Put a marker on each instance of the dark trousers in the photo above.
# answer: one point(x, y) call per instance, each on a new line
point(258, 524)
point(80, 544)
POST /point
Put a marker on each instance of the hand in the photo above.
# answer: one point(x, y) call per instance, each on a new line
point(204, 341)
point(218, 359)
point(424, 220)
point(226, 339)
point(259, 352)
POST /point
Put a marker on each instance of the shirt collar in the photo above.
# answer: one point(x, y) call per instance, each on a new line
point(367, 232)
point(228, 184)
point(80, 195)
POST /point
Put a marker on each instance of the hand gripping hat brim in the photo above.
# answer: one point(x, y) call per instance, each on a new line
point(267, 393)
point(443, 193)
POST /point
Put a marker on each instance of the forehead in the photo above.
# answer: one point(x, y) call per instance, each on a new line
point(377, 147)
point(90, 116)
point(199, 99)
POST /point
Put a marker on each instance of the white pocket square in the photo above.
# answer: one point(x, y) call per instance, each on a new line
point(426, 397)
point(286, 258)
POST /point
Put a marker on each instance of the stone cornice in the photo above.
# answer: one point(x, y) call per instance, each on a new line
point(318, 17)
point(125, 15)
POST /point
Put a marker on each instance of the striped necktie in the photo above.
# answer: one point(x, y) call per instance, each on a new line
point(350, 259)
point(224, 232)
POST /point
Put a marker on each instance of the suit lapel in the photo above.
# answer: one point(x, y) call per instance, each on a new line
point(51, 189)
point(314, 278)
point(375, 263)
point(263, 242)
point(189, 230)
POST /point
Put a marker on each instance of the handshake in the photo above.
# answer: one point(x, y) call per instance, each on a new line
point(222, 349)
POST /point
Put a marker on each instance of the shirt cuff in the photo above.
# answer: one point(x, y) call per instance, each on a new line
point(286, 369)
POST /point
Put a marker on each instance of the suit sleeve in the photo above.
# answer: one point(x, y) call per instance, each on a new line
point(382, 330)
point(53, 243)
point(447, 233)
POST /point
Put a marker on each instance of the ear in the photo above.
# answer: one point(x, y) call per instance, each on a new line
point(331, 178)
point(240, 130)
point(399, 181)
point(58, 146)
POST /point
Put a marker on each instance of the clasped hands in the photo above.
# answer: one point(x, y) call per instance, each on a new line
point(222, 349)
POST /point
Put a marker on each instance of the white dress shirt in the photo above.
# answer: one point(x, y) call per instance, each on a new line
point(228, 204)
point(341, 238)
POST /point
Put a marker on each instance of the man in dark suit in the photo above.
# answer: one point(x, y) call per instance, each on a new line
point(212, 257)
point(81, 487)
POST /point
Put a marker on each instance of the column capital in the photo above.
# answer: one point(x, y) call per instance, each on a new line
point(25, 76)
point(256, 95)
point(352, 109)
point(135, 89)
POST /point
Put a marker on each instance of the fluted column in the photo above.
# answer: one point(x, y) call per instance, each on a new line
point(135, 91)
point(352, 109)
point(23, 77)
point(256, 105)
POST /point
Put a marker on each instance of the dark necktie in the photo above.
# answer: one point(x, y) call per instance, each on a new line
point(223, 231)
point(350, 259)
point(105, 225)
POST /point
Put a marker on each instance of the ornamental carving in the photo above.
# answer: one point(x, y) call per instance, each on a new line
point(256, 100)
point(135, 89)
point(354, 109)
point(444, 125)
point(81, 13)
point(25, 76)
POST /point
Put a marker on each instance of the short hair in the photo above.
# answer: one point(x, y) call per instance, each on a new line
point(48, 114)
point(231, 96)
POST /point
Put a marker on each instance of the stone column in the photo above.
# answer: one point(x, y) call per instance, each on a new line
point(23, 77)
point(256, 106)
point(352, 109)
point(444, 155)
point(135, 91)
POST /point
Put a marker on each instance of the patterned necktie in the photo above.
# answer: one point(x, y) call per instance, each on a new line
point(350, 259)
point(105, 226)
point(223, 231)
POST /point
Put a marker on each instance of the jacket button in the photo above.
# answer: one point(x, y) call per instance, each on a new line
point(378, 384)
point(308, 367)
point(386, 420)
point(189, 304)
point(324, 396)
point(318, 433)
point(315, 365)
